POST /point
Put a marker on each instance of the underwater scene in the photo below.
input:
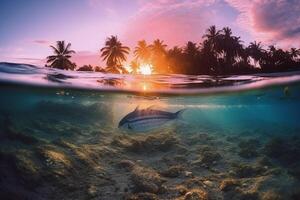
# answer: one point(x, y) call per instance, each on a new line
point(81, 135)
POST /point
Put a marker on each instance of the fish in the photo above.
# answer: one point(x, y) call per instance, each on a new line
point(148, 119)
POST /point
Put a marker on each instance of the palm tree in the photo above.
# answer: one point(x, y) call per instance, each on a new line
point(227, 32)
point(175, 51)
point(242, 62)
point(256, 51)
point(158, 49)
point(134, 66)
point(142, 51)
point(228, 46)
point(61, 56)
point(294, 53)
point(114, 53)
point(175, 59)
point(231, 49)
point(191, 55)
point(99, 69)
point(191, 49)
point(237, 49)
point(88, 68)
point(210, 49)
point(276, 59)
point(213, 38)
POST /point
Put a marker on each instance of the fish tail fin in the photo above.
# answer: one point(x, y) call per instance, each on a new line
point(179, 113)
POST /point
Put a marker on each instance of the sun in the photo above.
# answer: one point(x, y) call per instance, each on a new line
point(145, 69)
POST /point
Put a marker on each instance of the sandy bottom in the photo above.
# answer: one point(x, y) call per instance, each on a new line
point(56, 159)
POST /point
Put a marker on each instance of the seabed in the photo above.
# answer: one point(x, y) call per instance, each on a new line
point(54, 155)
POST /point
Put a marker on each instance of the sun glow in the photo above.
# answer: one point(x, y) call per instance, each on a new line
point(128, 67)
point(145, 69)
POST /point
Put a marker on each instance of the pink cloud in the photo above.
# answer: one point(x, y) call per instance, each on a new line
point(30, 59)
point(271, 21)
point(175, 22)
point(41, 42)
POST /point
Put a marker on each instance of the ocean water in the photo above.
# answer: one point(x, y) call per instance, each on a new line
point(239, 137)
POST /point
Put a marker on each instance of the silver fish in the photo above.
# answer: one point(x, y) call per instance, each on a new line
point(147, 119)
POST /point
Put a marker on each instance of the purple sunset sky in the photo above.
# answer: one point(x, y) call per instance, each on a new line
point(29, 27)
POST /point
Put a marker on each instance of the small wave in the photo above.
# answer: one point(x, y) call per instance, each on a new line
point(24, 74)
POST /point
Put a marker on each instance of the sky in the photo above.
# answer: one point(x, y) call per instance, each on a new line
point(27, 28)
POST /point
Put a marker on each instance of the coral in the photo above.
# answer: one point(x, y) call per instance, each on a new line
point(152, 143)
point(245, 171)
point(193, 182)
point(229, 184)
point(127, 164)
point(208, 183)
point(146, 180)
point(174, 160)
point(181, 190)
point(196, 194)
point(199, 138)
point(264, 161)
point(208, 158)
point(244, 195)
point(142, 196)
point(248, 148)
point(173, 171)
point(55, 160)
point(271, 195)
point(286, 150)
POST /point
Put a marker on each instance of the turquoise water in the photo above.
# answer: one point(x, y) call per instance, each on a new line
point(239, 137)
point(266, 110)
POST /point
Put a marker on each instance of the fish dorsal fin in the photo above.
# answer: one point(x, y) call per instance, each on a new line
point(151, 107)
point(136, 109)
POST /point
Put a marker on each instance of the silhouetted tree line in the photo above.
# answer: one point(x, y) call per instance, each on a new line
point(90, 68)
point(219, 53)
